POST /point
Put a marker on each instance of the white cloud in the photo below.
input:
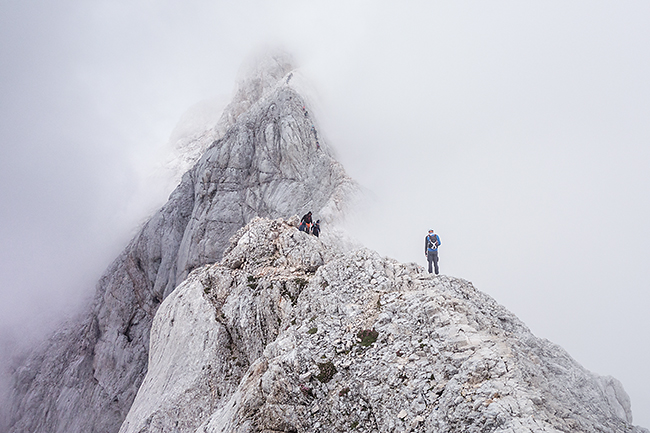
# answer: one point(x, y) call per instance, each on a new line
point(517, 130)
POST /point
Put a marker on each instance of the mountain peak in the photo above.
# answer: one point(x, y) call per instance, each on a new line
point(260, 327)
point(288, 333)
point(260, 74)
point(268, 162)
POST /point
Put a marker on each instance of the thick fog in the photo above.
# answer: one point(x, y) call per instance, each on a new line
point(519, 131)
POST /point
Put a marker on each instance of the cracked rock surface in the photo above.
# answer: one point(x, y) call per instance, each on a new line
point(268, 162)
point(291, 333)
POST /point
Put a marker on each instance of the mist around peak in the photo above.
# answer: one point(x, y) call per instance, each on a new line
point(208, 121)
point(533, 116)
point(269, 163)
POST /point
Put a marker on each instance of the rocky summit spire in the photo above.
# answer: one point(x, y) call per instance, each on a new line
point(269, 161)
point(220, 316)
point(258, 76)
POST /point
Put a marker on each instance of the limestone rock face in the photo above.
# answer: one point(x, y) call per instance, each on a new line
point(268, 163)
point(290, 333)
point(258, 77)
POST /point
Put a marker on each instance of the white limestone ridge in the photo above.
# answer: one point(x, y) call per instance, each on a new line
point(269, 162)
point(289, 333)
point(220, 316)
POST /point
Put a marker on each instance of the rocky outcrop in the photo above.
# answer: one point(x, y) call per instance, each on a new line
point(259, 76)
point(216, 320)
point(290, 333)
point(268, 163)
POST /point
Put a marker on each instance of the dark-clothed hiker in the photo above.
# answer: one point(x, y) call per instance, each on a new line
point(315, 230)
point(305, 223)
point(431, 244)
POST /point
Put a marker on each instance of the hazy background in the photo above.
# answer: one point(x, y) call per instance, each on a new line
point(519, 131)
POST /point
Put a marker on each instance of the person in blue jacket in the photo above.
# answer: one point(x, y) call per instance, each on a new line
point(431, 244)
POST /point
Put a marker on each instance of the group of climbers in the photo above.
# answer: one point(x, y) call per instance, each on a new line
point(307, 226)
point(431, 241)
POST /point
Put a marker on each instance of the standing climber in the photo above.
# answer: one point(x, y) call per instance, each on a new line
point(315, 230)
point(305, 223)
point(431, 244)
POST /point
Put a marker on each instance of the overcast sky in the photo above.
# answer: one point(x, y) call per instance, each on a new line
point(519, 131)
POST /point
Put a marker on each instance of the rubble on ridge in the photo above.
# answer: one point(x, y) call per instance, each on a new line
point(292, 334)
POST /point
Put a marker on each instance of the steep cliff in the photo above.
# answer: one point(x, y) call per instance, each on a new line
point(267, 162)
point(258, 76)
point(220, 316)
point(291, 333)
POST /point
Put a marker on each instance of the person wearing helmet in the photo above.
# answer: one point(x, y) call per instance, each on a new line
point(431, 244)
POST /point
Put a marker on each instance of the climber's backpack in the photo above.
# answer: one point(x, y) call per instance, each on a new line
point(432, 244)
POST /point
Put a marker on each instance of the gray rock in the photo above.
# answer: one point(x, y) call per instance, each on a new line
point(259, 76)
point(267, 163)
point(220, 316)
point(262, 332)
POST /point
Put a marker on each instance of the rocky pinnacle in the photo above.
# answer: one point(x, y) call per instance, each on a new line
point(221, 316)
point(269, 161)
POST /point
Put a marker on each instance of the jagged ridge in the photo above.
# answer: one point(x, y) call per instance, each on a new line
point(267, 164)
point(270, 339)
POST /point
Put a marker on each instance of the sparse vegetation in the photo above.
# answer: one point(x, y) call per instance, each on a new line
point(301, 283)
point(292, 293)
point(306, 391)
point(313, 330)
point(327, 371)
point(367, 337)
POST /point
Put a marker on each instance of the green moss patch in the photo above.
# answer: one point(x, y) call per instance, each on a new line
point(367, 337)
point(327, 371)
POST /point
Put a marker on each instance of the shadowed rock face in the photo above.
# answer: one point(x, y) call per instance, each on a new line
point(290, 333)
point(268, 163)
